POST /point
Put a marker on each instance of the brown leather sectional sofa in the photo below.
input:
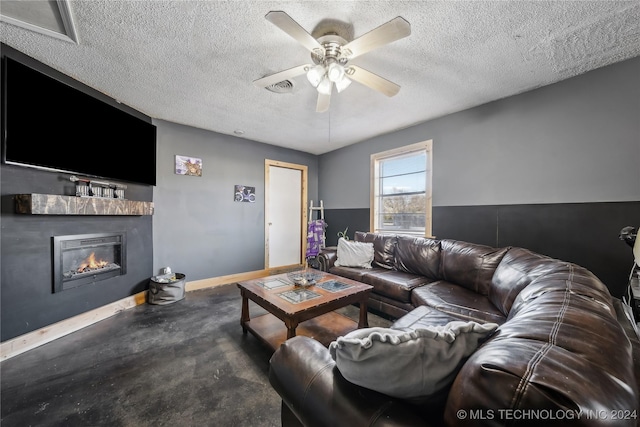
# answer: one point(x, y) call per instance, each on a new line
point(564, 354)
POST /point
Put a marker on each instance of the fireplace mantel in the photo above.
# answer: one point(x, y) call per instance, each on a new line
point(52, 204)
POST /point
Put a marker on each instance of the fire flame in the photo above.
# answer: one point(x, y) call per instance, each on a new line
point(92, 263)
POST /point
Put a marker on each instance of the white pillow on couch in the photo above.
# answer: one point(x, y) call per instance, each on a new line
point(414, 364)
point(354, 254)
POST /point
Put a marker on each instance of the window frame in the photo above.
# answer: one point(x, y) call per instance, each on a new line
point(376, 158)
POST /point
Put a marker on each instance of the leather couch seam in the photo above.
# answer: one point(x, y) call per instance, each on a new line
point(477, 280)
point(443, 306)
point(377, 414)
point(551, 342)
point(311, 381)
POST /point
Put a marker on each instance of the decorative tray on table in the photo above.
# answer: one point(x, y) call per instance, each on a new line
point(304, 277)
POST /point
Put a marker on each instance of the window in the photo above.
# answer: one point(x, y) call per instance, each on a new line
point(401, 190)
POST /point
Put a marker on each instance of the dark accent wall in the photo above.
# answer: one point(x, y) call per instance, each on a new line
point(582, 233)
point(27, 299)
point(338, 220)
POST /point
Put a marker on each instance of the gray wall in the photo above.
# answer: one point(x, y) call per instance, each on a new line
point(573, 141)
point(555, 170)
point(198, 229)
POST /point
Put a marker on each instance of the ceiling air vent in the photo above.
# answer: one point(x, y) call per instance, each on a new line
point(285, 86)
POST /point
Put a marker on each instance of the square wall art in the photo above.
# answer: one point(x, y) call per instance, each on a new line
point(186, 165)
point(244, 193)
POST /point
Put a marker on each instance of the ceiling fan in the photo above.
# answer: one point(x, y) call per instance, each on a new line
point(331, 54)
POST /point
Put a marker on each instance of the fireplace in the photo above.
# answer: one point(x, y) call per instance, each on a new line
point(83, 259)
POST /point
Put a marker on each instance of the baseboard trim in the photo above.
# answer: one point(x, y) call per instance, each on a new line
point(224, 280)
point(31, 340)
point(28, 341)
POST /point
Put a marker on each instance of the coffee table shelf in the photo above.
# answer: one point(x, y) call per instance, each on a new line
point(324, 329)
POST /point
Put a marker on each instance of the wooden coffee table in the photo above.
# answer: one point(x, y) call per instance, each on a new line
point(295, 310)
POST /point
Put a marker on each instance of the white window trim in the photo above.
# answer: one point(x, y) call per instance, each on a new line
point(374, 183)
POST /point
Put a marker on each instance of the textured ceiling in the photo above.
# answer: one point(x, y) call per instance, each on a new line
point(193, 62)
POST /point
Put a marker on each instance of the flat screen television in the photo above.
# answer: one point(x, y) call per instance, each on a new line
point(49, 124)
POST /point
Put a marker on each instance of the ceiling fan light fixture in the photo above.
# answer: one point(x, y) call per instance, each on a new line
point(325, 86)
point(342, 84)
point(335, 72)
point(331, 53)
point(315, 75)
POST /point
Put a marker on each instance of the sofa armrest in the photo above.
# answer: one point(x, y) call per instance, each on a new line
point(304, 375)
point(327, 257)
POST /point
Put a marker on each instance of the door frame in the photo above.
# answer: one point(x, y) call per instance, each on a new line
point(303, 206)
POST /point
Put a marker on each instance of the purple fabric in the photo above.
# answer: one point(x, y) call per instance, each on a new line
point(315, 237)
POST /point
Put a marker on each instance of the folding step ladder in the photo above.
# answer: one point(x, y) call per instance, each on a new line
point(316, 237)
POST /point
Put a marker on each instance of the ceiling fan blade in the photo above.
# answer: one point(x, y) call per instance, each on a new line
point(291, 27)
point(323, 103)
point(280, 76)
point(373, 81)
point(393, 30)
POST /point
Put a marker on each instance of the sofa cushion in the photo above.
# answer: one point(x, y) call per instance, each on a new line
point(423, 316)
point(354, 254)
point(393, 284)
point(457, 301)
point(407, 364)
point(389, 307)
point(469, 264)
point(418, 255)
point(517, 269)
point(354, 273)
point(384, 247)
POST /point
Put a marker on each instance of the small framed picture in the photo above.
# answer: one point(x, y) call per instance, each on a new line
point(186, 165)
point(244, 193)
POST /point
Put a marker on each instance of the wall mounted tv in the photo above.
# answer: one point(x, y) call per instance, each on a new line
point(49, 124)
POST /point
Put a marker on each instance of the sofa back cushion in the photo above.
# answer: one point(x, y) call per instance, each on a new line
point(518, 268)
point(470, 265)
point(354, 254)
point(384, 247)
point(418, 255)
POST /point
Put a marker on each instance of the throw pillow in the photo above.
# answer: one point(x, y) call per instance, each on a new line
point(407, 364)
point(354, 254)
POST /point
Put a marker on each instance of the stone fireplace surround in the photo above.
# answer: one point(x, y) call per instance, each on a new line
point(27, 301)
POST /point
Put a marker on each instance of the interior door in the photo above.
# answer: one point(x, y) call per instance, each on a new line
point(285, 213)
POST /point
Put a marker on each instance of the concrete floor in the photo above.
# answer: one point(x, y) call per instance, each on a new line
point(183, 364)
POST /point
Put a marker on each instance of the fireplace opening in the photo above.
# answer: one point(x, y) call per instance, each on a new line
point(83, 259)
